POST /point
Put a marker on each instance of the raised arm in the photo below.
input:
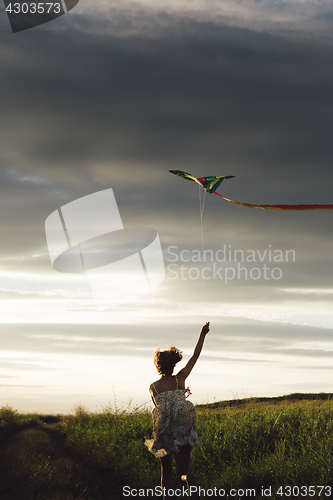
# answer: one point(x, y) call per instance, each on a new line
point(184, 373)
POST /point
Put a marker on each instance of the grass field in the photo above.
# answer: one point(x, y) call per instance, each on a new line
point(247, 444)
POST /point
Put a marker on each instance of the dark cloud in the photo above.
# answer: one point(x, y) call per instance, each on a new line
point(208, 93)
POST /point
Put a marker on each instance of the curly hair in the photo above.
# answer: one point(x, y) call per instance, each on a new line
point(165, 360)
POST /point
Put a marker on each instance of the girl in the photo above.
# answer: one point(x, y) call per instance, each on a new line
point(174, 417)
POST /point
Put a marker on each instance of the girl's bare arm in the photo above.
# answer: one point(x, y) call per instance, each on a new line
point(184, 373)
point(152, 394)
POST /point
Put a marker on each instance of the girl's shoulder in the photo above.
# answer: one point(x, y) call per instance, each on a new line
point(154, 387)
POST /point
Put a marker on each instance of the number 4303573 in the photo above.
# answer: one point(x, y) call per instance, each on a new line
point(34, 8)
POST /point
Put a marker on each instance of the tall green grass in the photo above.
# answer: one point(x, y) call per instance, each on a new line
point(114, 440)
point(269, 445)
point(255, 445)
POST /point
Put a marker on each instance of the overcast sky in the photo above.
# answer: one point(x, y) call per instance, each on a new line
point(112, 96)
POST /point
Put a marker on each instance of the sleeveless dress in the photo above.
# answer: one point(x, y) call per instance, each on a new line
point(174, 423)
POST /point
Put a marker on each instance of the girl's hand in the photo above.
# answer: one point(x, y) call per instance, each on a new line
point(205, 328)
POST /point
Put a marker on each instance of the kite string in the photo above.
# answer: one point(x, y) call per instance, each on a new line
point(202, 207)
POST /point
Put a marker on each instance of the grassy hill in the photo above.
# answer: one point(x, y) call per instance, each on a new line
point(250, 443)
point(294, 398)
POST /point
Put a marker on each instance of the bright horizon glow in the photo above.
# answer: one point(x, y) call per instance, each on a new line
point(219, 373)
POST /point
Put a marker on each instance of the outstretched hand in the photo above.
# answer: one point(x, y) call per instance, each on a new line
point(205, 328)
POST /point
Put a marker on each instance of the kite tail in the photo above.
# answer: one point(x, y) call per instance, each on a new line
point(280, 207)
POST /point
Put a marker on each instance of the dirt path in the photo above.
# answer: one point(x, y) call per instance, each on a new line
point(35, 464)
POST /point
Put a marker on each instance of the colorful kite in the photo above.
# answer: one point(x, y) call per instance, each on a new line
point(209, 183)
point(212, 183)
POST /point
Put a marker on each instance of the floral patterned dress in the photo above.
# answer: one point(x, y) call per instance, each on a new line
point(174, 421)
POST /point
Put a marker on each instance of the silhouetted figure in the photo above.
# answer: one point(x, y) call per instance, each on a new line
point(174, 418)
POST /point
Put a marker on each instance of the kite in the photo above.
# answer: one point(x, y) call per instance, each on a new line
point(210, 184)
